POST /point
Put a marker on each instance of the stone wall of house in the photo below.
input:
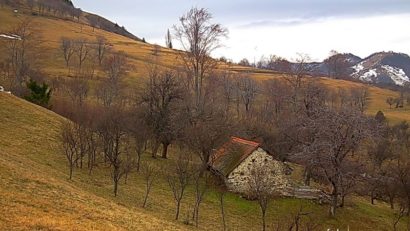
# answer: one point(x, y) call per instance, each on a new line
point(238, 179)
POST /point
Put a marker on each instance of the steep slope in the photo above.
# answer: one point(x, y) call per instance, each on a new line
point(66, 10)
point(34, 191)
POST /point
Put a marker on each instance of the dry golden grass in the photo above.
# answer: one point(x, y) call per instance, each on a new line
point(377, 101)
point(36, 195)
point(35, 192)
point(51, 30)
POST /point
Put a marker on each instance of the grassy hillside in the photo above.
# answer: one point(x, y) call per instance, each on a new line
point(51, 30)
point(34, 191)
point(36, 194)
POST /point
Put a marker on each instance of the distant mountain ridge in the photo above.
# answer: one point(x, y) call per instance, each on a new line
point(381, 68)
point(384, 68)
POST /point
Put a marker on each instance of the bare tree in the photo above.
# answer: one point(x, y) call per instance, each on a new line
point(206, 134)
point(400, 166)
point(398, 216)
point(248, 89)
point(199, 38)
point(140, 132)
point(390, 101)
point(21, 55)
point(68, 49)
point(70, 143)
point(348, 180)
point(297, 221)
point(112, 131)
point(94, 22)
point(360, 98)
point(226, 83)
point(279, 64)
point(115, 68)
point(77, 89)
point(336, 136)
point(295, 77)
point(161, 97)
point(102, 47)
point(82, 50)
point(218, 183)
point(399, 102)
point(76, 13)
point(338, 65)
point(130, 161)
point(201, 182)
point(244, 62)
point(149, 175)
point(261, 188)
point(277, 94)
point(92, 146)
point(178, 177)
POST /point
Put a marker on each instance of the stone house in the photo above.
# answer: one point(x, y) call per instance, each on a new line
point(236, 159)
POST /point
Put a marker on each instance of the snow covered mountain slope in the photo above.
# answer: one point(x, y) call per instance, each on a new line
point(384, 68)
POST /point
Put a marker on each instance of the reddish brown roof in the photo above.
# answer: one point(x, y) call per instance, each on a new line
point(231, 154)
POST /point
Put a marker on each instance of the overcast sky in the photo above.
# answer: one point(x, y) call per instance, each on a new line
point(280, 27)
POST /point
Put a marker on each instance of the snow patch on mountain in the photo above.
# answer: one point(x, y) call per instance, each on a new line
point(358, 68)
point(369, 75)
point(397, 75)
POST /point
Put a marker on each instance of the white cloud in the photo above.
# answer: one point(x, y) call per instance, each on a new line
point(281, 27)
point(361, 36)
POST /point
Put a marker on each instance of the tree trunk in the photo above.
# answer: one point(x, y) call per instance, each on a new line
point(263, 219)
point(81, 161)
point(90, 169)
point(177, 209)
point(342, 203)
point(71, 170)
point(116, 178)
point(165, 150)
point(138, 162)
point(155, 149)
point(333, 204)
point(391, 200)
point(408, 206)
point(196, 213)
point(126, 177)
point(221, 201)
point(91, 161)
point(146, 195)
point(115, 187)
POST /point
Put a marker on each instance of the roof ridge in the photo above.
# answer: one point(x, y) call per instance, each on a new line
point(243, 141)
